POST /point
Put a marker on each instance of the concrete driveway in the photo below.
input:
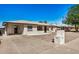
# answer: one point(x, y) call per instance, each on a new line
point(26, 44)
point(37, 44)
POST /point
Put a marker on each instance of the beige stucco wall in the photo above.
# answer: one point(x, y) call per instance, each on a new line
point(10, 28)
point(34, 27)
point(34, 30)
point(54, 29)
point(23, 29)
point(50, 29)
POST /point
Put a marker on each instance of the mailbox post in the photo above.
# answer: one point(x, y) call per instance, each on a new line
point(59, 37)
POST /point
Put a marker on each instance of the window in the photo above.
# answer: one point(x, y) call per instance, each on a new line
point(29, 28)
point(39, 28)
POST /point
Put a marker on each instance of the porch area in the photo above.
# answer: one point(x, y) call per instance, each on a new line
point(26, 29)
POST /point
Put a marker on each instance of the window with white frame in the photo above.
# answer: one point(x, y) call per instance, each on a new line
point(29, 28)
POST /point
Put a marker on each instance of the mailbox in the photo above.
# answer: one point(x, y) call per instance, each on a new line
point(59, 37)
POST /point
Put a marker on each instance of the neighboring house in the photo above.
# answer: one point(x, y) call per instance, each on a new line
point(66, 27)
point(25, 27)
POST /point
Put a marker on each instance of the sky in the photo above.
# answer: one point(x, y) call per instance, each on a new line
point(52, 13)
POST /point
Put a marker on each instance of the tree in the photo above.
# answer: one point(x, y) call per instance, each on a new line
point(45, 22)
point(73, 16)
point(40, 21)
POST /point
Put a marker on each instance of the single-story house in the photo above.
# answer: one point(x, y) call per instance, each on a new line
point(66, 27)
point(25, 27)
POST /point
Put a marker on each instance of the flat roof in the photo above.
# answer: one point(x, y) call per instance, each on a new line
point(27, 22)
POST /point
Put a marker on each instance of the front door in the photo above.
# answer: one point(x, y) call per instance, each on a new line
point(16, 30)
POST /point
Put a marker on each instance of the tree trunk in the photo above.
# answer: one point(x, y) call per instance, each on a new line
point(76, 28)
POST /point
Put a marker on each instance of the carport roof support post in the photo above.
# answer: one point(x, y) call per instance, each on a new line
point(5, 32)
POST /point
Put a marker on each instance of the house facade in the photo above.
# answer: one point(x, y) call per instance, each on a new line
point(26, 27)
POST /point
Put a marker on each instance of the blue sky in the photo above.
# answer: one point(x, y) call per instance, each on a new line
point(53, 13)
